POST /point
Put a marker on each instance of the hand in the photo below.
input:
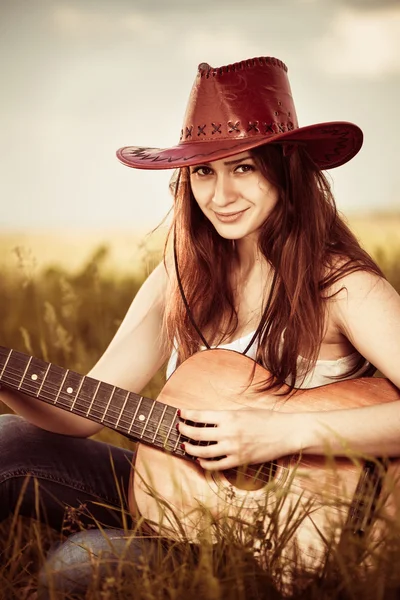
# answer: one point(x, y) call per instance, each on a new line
point(240, 437)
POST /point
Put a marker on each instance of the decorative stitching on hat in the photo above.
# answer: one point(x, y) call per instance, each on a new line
point(253, 126)
point(343, 147)
point(216, 128)
point(342, 143)
point(205, 70)
point(233, 126)
point(346, 140)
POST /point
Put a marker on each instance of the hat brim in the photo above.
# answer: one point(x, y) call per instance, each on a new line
point(329, 145)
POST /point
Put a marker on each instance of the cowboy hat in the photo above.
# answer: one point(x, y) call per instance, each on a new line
point(241, 106)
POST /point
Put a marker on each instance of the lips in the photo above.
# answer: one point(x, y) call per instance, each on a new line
point(229, 217)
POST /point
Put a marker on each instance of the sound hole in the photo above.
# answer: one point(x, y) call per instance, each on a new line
point(251, 477)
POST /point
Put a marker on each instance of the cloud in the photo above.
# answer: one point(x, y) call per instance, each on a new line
point(78, 21)
point(370, 4)
point(362, 5)
point(361, 44)
point(221, 47)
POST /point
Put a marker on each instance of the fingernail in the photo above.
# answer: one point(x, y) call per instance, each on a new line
point(178, 412)
point(177, 426)
point(183, 446)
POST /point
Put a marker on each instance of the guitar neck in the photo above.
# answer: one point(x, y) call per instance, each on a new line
point(136, 417)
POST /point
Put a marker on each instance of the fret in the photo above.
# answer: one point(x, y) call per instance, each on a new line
point(147, 420)
point(24, 373)
point(98, 395)
point(151, 422)
point(44, 379)
point(135, 413)
point(5, 364)
point(51, 384)
point(72, 382)
point(178, 439)
point(77, 394)
point(93, 398)
point(33, 375)
point(170, 429)
point(122, 410)
point(159, 423)
point(62, 383)
point(162, 420)
point(108, 404)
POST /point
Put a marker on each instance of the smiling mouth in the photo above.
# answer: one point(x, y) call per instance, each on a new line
point(227, 217)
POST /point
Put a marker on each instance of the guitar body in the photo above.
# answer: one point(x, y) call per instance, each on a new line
point(315, 496)
point(225, 380)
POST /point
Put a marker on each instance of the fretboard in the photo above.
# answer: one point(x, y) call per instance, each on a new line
point(136, 417)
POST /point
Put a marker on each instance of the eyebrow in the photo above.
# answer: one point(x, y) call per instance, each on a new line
point(231, 162)
point(237, 161)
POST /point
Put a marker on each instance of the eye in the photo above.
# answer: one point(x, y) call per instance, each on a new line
point(246, 168)
point(203, 171)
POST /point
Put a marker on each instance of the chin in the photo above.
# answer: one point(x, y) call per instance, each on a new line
point(230, 233)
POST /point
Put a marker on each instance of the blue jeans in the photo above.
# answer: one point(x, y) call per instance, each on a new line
point(78, 489)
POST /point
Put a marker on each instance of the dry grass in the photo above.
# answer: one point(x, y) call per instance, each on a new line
point(130, 252)
point(67, 313)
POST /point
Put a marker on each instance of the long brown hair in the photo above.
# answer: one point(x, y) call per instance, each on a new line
point(305, 241)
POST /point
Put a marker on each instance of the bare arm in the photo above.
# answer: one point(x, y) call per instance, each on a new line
point(134, 355)
point(367, 312)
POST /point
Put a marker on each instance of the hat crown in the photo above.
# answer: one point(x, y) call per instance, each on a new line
point(241, 106)
point(242, 100)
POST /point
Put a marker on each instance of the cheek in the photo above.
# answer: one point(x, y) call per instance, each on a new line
point(201, 195)
point(270, 195)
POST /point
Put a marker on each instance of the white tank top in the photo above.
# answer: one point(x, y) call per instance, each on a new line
point(321, 374)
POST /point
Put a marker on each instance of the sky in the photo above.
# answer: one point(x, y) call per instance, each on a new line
point(81, 78)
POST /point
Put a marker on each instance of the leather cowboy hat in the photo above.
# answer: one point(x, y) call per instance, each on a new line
point(241, 106)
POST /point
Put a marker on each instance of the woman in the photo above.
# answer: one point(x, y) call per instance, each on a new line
point(262, 264)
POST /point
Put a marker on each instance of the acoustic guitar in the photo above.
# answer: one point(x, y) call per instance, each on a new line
point(180, 499)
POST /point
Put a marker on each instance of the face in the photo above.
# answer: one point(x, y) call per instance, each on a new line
point(234, 195)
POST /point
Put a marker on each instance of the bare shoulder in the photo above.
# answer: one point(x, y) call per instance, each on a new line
point(139, 347)
point(366, 310)
point(362, 286)
point(159, 278)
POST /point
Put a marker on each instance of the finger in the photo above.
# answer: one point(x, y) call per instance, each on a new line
point(228, 462)
point(200, 434)
point(210, 417)
point(211, 451)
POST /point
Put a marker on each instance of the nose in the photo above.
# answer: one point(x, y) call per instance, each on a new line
point(224, 191)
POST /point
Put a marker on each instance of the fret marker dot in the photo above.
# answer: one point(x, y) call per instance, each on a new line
point(69, 390)
point(141, 417)
point(34, 377)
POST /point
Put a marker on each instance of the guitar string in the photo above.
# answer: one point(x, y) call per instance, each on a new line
point(86, 400)
point(173, 433)
point(254, 471)
point(151, 438)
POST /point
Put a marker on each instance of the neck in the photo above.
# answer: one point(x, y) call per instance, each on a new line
point(249, 257)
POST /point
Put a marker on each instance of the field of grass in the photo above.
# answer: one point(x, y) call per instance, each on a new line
point(62, 298)
point(128, 252)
